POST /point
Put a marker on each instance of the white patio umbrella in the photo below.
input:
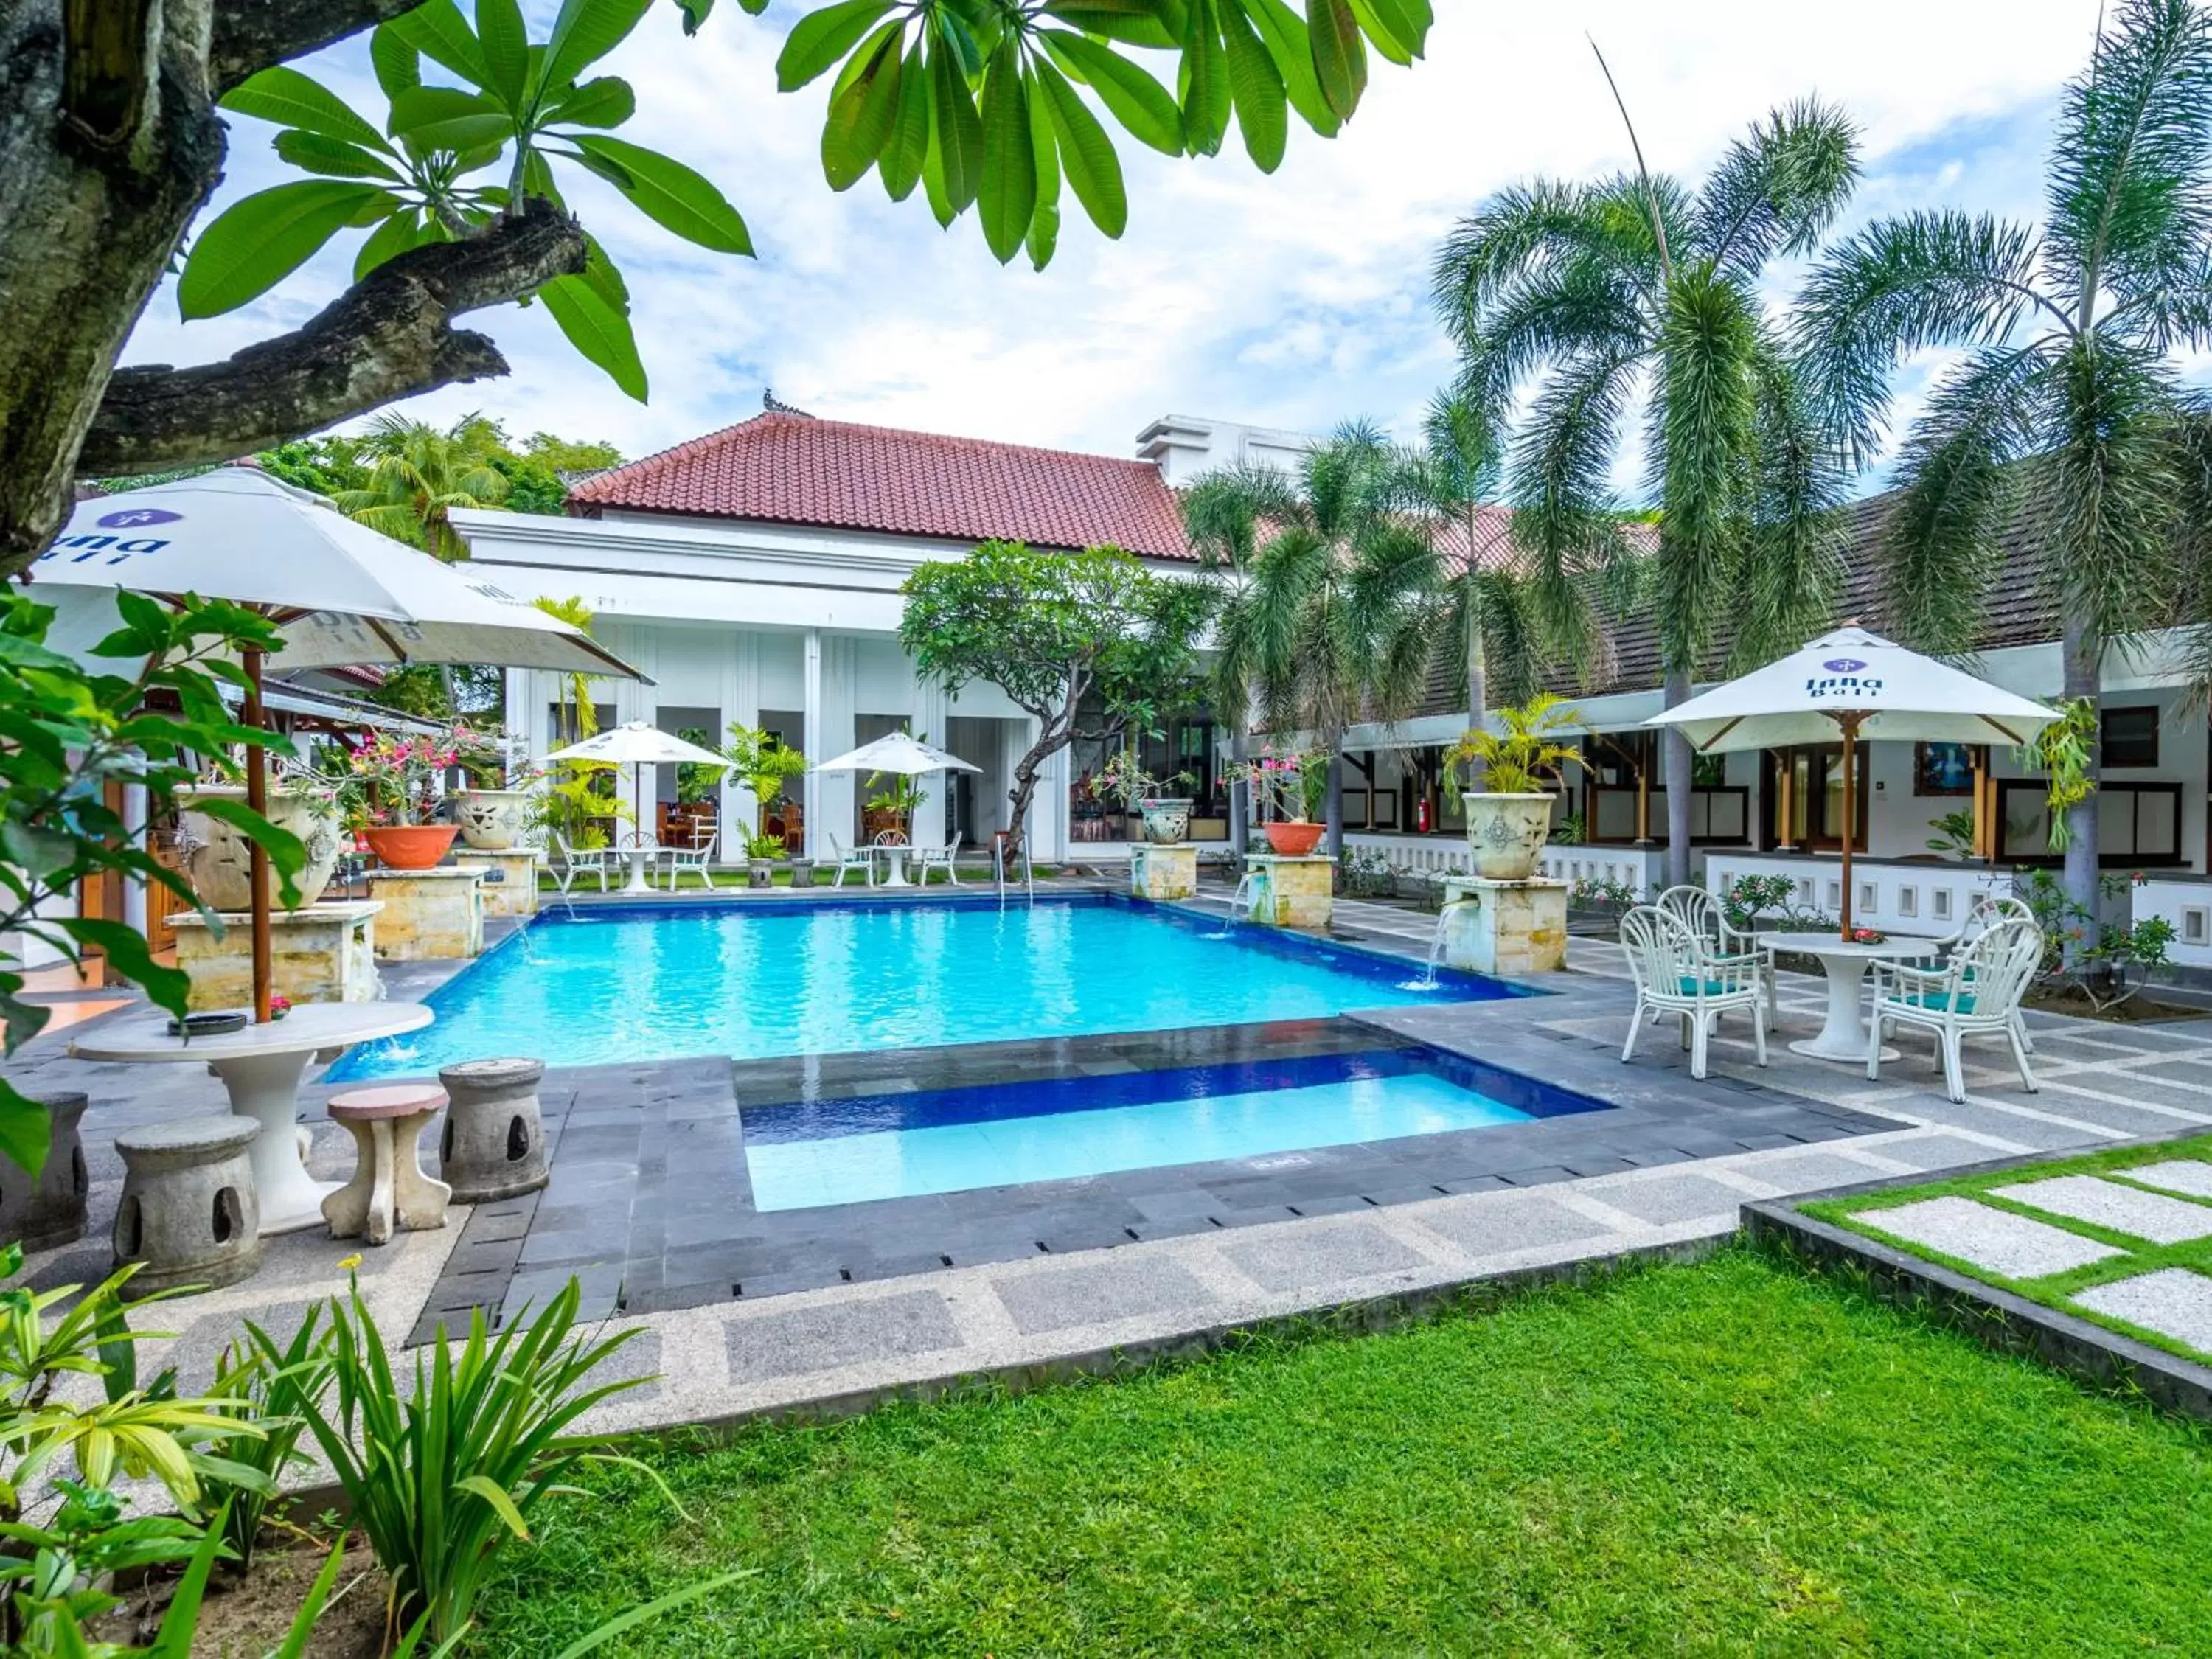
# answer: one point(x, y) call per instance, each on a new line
point(338, 591)
point(636, 745)
point(900, 753)
point(1860, 685)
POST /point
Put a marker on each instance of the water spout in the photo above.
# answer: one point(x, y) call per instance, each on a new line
point(1240, 904)
point(1436, 938)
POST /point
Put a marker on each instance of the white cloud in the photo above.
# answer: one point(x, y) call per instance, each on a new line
point(1294, 300)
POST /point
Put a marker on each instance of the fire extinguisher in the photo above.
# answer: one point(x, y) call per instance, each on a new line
point(1421, 816)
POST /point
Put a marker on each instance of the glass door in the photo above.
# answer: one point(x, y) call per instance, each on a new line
point(1814, 797)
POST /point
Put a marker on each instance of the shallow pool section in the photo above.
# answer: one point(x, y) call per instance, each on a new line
point(752, 980)
point(804, 1154)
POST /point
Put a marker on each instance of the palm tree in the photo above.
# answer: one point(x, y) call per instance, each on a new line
point(1638, 290)
point(2065, 422)
point(577, 717)
point(419, 474)
point(1327, 610)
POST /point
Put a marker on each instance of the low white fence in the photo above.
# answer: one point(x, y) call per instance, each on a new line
point(1908, 896)
point(1642, 870)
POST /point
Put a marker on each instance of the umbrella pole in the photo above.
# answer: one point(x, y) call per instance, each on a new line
point(256, 865)
point(1850, 721)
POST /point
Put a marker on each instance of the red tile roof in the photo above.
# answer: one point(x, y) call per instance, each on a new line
point(794, 469)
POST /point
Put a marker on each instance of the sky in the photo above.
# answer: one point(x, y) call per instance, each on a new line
point(1295, 299)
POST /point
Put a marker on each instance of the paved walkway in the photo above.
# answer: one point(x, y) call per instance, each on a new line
point(846, 1343)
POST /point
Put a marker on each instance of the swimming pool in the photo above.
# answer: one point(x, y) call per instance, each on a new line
point(802, 1154)
point(752, 980)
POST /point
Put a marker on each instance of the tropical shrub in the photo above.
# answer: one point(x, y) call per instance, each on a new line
point(250, 1372)
point(1368, 874)
point(767, 767)
point(1602, 894)
point(2108, 964)
point(1954, 834)
point(439, 1475)
point(1527, 757)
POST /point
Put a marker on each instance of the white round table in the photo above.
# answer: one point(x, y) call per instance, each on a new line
point(894, 858)
point(261, 1066)
point(1845, 1037)
point(641, 857)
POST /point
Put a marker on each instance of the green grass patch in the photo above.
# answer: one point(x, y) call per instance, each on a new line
point(2056, 1291)
point(1732, 1457)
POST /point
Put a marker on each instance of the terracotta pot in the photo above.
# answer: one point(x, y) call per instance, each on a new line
point(410, 846)
point(1296, 839)
point(492, 820)
point(1167, 819)
point(215, 854)
point(1506, 834)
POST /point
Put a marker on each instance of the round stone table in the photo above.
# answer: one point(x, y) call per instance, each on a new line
point(1845, 1037)
point(261, 1066)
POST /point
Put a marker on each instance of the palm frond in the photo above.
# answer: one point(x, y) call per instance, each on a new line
point(1958, 486)
point(1792, 566)
point(1926, 279)
point(1522, 232)
point(1778, 188)
point(1704, 412)
point(2130, 208)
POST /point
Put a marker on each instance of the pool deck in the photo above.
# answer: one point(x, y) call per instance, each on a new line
point(832, 1310)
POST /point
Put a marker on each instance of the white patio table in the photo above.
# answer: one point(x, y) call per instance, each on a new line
point(893, 853)
point(1844, 1037)
point(642, 852)
point(261, 1066)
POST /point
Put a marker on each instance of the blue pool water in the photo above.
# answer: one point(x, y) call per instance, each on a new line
point(751, 981)
point(899, 1145)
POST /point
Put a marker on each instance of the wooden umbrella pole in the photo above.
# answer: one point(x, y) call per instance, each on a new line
point(257, 858)
point(1850, 721)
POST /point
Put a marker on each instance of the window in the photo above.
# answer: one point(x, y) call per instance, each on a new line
point(2137, 823)
point(2129, 737)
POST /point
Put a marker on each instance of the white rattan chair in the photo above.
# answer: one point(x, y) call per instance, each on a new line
point(1976, 994)
point(926, 859)
point(568, 863)
point(1982, 915)
point(1676, 973)
point(858, 857)
point(1704, 915)
point(692, 858)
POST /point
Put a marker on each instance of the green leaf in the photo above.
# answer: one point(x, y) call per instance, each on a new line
point(621, 1623)
point(254, 244)
point(1339, 56)
point(25, 1130)
point(1262, 112)
point(1399, 28)
point(398, 65)
point(585, 31)
point(1086, 153)
point(293, 100)
point(900, 164)
point(1138, 102)
point(1133, 22)
point(445, 118)
point(396, 235)
point(288, 853)
point(1292, 47)
point(696, 11)
point(606, 280)
point(438, 31)
point(505, 44)
point(311, 152)
point(1007, 193)
point(959, 148)
point(598, 331)
point(932, 164)
point(1205, 82)
point(496, 1495)
point(863, 114)
point(1044, 223)
point(607, 101)
point(668, 192)
point(128, 953)
point(821, 38)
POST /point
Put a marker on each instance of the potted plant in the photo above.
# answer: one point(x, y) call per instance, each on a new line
point(1507, 823)
point(766, 766)
point(1283, 781)
point(401, 776)
point(1123, 778)
point(217, 855)
point(492, 817)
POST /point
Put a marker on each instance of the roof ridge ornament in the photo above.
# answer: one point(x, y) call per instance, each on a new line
point(774, 406)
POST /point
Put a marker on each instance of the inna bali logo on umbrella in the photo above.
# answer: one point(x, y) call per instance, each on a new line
point(118, 548)
point(1845, 678)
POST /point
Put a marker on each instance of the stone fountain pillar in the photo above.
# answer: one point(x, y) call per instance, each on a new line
point(1505, 926)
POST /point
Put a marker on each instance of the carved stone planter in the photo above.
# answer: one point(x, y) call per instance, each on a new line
point(215, 854)
point(1506, 834)
point(492, 820)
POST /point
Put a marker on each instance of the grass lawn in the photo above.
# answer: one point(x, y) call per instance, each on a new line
point(2057, 1289)
point(1732, 1457)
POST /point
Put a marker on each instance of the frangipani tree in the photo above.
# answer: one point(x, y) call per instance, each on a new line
point(113, 136)
point(2066, 425)
point(1639, 296)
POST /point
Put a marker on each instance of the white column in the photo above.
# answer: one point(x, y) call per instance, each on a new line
point(815, 846)
point(134, 827)
point(927, 722)
point(740, 705)
point(838, 685)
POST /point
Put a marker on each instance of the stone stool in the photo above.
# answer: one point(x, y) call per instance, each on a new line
point(189, 1212)
point(388, 1188)
point(495, 1143)
point(39, 1212)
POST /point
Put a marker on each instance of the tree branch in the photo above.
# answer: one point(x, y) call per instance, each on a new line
point(251, 35)
point(386, 337)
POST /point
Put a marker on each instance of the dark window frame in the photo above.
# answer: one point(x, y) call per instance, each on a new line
point(2138, 739)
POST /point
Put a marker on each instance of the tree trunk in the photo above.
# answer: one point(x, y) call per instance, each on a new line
point(1334, 813)
point(2083, 655)
point(1478, 677)
point(1240, 794)
point(1680, 767)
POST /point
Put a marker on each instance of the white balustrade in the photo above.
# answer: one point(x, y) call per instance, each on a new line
point(1928, 897)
